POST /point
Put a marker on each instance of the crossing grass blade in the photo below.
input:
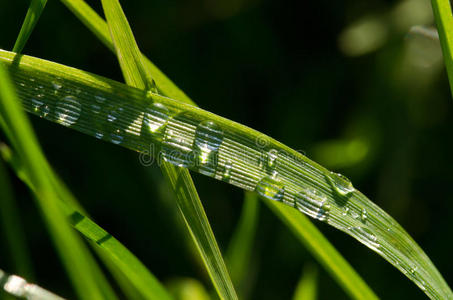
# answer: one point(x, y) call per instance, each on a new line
point(240, 249)
point(189, 204)
point(166, 87)
point(31, 18)
point(116, 256)
point(73, 253)
point(443, 16)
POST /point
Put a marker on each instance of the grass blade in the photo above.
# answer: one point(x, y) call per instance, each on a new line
point(73, 253)
point(444, 21)
point(32, 17)
point(307, 287)
point(188, 201)
point(243, 161)
point(240, 248)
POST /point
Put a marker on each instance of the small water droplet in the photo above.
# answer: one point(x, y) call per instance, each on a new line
point(227, 171)
point(364, 215)
point(365, 236)
point(156, 117)
point(98, 135)
point(208, 138)
point(354, 215)
point(57, 86)
point(36, 104)
point(68, 111)
point(313, 203)
point(345, 212)
point(270, 188)
point(44, 111)
point(95, 108)
point(117, 137)
point(100, 99)
point(272, 157)
point(341, 183)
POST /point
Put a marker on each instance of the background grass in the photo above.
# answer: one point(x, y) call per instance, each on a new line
point(385, 101)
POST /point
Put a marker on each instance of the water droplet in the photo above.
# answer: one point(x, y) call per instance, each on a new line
point(95, 108)
point(354, 214)
point(98, 135)
point(36, 104)
point(313, 203)
point(116, 137)
point(271, 158)
point(365, 236)
point(44, 111)
point(208, 138)
point(227, 171)
point(100, 99)
point(364, 215)
point(270, 188)
point(57, 86)
point(156, 117)
point(341, 183)
point(68, 110)
point(345, 212)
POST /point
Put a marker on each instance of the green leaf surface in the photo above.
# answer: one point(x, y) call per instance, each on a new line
point(31, 18)
point(189, 204)
point(444, 21)
point(246, 158)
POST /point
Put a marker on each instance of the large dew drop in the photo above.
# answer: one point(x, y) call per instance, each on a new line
point(341, 183)
point(313, 203)
point(365, 236)
point(270, 188)
point(155, 119)
point(208, 138)
point(68, 111)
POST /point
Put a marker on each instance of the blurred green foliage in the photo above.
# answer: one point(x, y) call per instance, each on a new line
point(347, 82)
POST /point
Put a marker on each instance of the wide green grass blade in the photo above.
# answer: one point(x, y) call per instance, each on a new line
point(12, 227)
point(73, 253)
point(308, 284)
point(246, 158)
point(189, 204)
point(325, 253)
point(117, 254)
point(165, 86)
point(240, 249)
point(444, 20)
point(31, 18)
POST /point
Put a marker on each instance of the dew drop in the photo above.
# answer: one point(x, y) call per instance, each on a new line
point(98, 135)
point(208, 138)
point(156, 117)
point(270, 188)
point(341, 183)
point(57, 86)
point(68, 111)
point(354, 215)
point(96, 109)
point(100, 99)
point(44, 111)
point(36, 104)
point(116, 137)
point(271, 158)
point(227, 172)
point(313, 203)
point(364, 215)
point(365, 236)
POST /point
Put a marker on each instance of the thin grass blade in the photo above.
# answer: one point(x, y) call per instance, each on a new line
point(188, 201)
point(308, 284)
point(31, 18)
point(271, 169)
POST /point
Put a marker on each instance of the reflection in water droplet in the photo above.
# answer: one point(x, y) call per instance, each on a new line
point(313, 203)
point(365, 236)
point(156, 117)
point(68, 111)
point(270, 188)
point(341, 183)
point(208, 138)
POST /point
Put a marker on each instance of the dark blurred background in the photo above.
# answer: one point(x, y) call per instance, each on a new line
point(352, 83)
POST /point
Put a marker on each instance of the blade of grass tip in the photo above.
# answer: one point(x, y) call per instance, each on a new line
point(240, 249)
point(188, 289)
point(112, 252)
point(323, 251)
point(31, 18)
point(443, 16)
point(70, 248)
point(188, 201)
point(19, 287)
point(98, 26)
point(308, 284)
point(12, 227)
point(100, 29)
point(92, 80)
